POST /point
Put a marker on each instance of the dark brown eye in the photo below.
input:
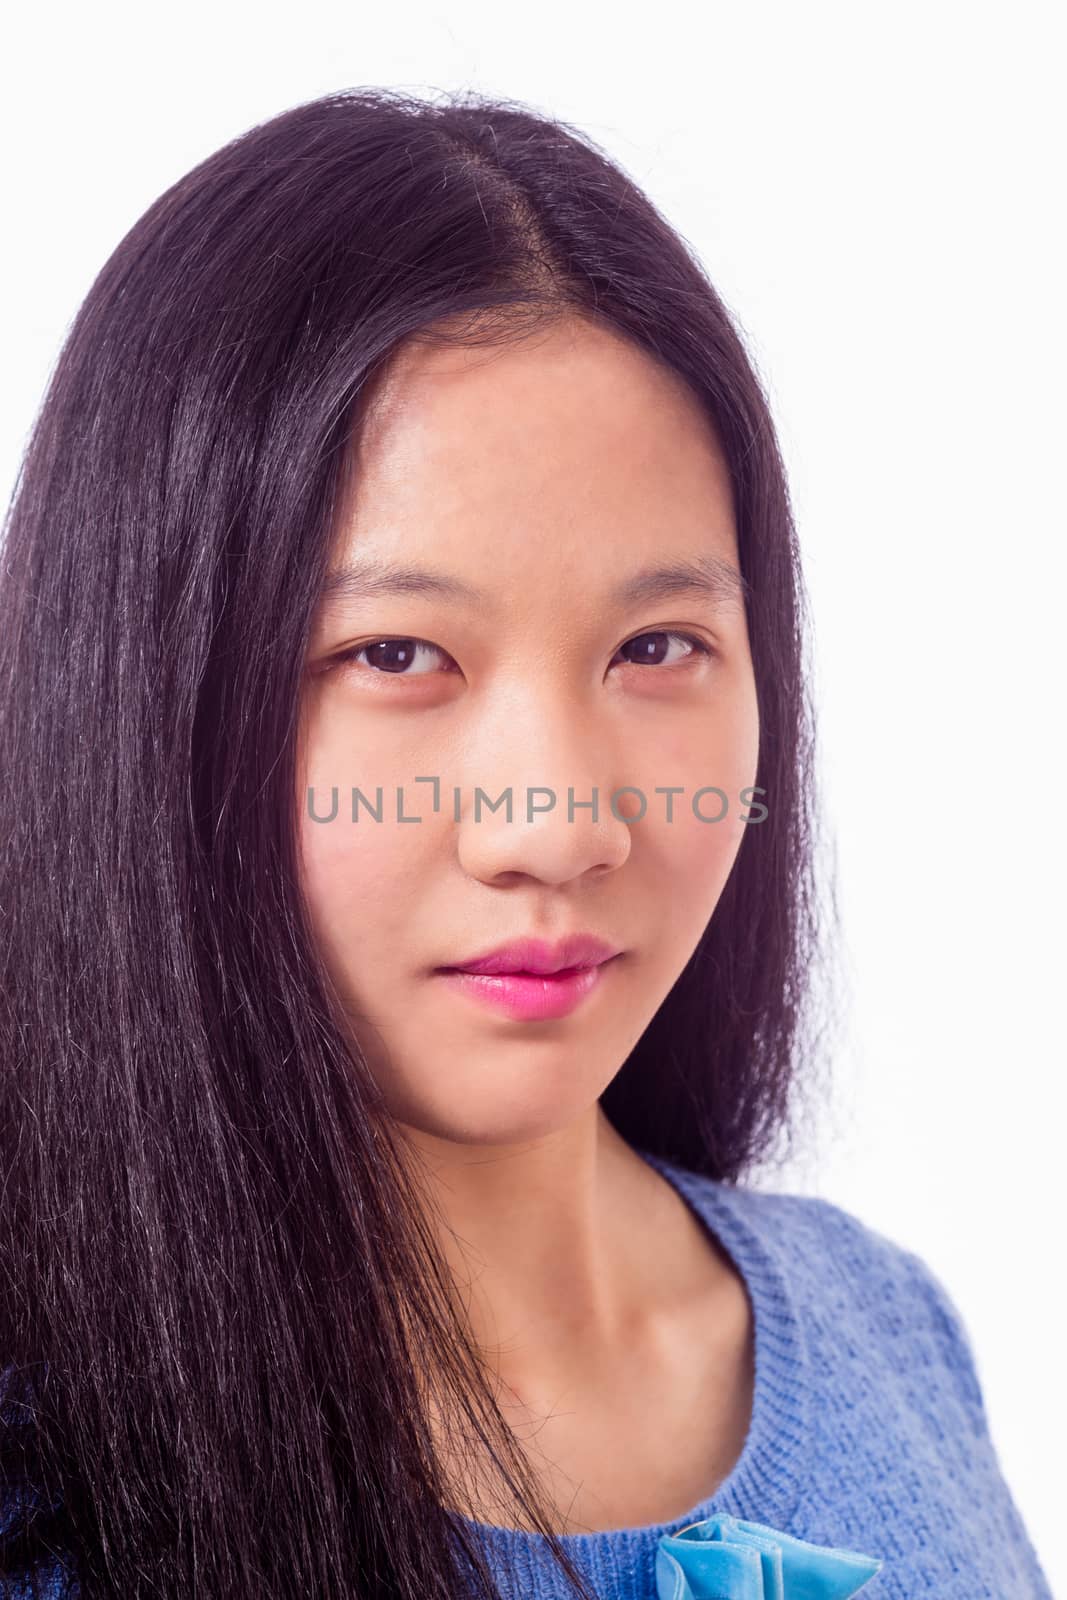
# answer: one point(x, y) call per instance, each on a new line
point(651, 649)
point(398, 658)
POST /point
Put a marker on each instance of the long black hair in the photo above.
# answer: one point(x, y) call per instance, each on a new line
point(215, 1268)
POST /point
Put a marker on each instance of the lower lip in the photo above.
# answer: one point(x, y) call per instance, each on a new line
point(524, 995)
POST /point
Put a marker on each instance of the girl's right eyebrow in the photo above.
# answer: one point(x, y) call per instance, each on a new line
point(371, 577)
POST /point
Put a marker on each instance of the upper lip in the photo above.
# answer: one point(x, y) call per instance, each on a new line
point(539, 956)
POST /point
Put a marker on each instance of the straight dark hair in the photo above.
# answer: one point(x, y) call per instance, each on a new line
point(215, 1263)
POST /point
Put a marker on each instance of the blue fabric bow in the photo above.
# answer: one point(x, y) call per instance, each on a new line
point(724, 1558)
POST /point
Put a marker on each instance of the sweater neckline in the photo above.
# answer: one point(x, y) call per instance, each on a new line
point(764, 1483)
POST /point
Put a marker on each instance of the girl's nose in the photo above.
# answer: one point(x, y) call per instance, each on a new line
point(556, 832)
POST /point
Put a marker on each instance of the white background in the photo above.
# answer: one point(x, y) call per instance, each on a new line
point(877, 193)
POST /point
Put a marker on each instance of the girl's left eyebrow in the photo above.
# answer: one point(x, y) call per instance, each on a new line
point(710, 576)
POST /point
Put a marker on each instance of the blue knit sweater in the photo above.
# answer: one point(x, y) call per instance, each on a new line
point(868, 1429)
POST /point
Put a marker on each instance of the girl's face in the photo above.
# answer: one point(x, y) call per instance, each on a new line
point(539, 485)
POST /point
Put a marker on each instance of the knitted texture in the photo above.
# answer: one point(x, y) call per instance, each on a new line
point(868, 1432)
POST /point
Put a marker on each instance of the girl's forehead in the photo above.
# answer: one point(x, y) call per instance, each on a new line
point(534, 449)
point(573, 381)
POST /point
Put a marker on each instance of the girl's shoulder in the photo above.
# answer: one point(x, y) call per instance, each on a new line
point(859, 1295)
point(831, 1250)
point(30, 1566)
point(835, 1259)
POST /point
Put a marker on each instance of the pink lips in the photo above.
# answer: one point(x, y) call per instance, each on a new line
point(531, 980)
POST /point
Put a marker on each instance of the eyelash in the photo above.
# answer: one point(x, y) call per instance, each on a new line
point(700, 647)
